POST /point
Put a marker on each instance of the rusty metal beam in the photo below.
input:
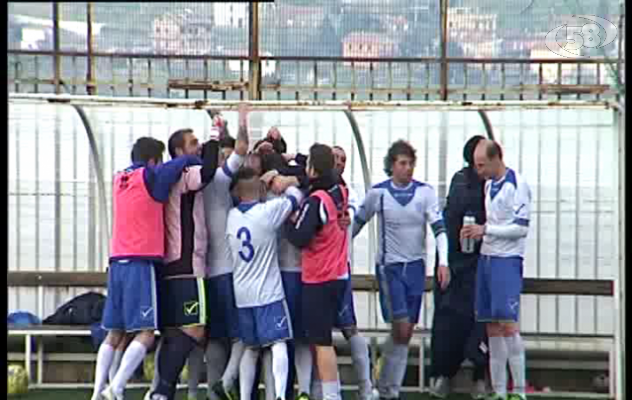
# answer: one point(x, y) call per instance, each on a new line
point(381, 60)
point(91, 87)
point(291, 105)
point(254, 92)
point(56, 47)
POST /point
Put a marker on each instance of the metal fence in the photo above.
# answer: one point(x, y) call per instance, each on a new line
point(317, 50)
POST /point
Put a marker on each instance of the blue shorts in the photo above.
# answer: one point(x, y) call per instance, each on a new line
point(265, 325)
point(132, 300)
point(346, 317)
point(401, 288)
point(498, 288)
point(293, 287)
point(221, 318)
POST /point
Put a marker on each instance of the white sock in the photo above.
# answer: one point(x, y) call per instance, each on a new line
point(247, 372)
point(116, 363)
point(230, 373)
point(361, 363)
point(215, 365)
point(104, 359)
point(280, 366)
point(195, 363)
point(268, 374)
point(385, 381)
point(498, 355)
point(131, 360)
point(515, 347)
point(304, 364)
point(331, 390)
point(400, 362)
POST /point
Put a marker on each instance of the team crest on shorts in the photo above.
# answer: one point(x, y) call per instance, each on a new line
point(191, 308)
point(280, 322)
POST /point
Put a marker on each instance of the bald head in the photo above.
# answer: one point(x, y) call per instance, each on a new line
point(488, 159)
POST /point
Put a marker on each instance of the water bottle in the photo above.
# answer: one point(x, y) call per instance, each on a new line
point(467, 245)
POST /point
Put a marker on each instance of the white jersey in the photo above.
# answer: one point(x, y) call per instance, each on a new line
point(217, 204)
point(507, 201)
point(252, 236)
point(403, 214)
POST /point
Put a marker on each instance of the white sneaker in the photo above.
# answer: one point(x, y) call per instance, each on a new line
point(108, 394)
point(479, 390)
point(440, 388)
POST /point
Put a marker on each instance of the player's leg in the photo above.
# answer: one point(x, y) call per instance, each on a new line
point(223, 285)
point(195, 363)
point(217, 347)
point(248, 361)
point(401, 308)
point(118, 356)
point(316, 388)
point(184, 317)
point(303, 361)
point(347, 323)
point(265, 367)
point(508, 278)
point(321, 302)
point(273, 328)
point(484, 309)
point(112, 321)
point(477, 351)
point(140, 311)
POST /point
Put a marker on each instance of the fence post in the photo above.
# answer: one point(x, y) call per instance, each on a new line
point(443, 11)
point(254, 80)
point(56, 48)
point(91, 87)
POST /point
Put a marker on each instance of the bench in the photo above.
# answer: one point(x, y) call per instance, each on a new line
point(361, 283)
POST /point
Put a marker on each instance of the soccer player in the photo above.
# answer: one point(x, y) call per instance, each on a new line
point(264, 319)
point(138, 236)
point(183, 307)
point(404, 207)
point(499, 275)
point(196, 358)
point(324, 244)
point(222, 323)
point(456, 335)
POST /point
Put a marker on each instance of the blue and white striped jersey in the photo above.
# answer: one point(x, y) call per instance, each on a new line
point(252, 236)
point(507, 202)
point(403, 214)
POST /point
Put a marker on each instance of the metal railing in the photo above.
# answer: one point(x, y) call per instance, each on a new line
point(258, 75)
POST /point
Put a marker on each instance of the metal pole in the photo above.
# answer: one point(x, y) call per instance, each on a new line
point(254, 84)
point(56, 47)
point(444, 49)
point(91, 87)
point(619, 121)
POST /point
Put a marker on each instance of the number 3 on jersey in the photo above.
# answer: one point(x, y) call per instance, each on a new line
point(246, 244)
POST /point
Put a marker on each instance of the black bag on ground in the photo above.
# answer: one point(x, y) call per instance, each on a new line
point(84, 309)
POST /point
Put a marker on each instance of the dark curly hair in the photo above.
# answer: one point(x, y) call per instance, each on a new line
point(399, 148)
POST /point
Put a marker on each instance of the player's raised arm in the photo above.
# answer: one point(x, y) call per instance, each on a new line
point(160, 178)
point(243, 140)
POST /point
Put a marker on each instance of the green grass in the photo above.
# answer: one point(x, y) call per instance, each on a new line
point(137, 394)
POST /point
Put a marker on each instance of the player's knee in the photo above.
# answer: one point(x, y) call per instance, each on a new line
point(146, 338)
point(349, 332)
point(402, 332)
point(114, 338)
point(196, 332)
point(509, 329)
point(494, 329)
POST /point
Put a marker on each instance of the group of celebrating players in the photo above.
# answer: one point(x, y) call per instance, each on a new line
point(243, 258)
